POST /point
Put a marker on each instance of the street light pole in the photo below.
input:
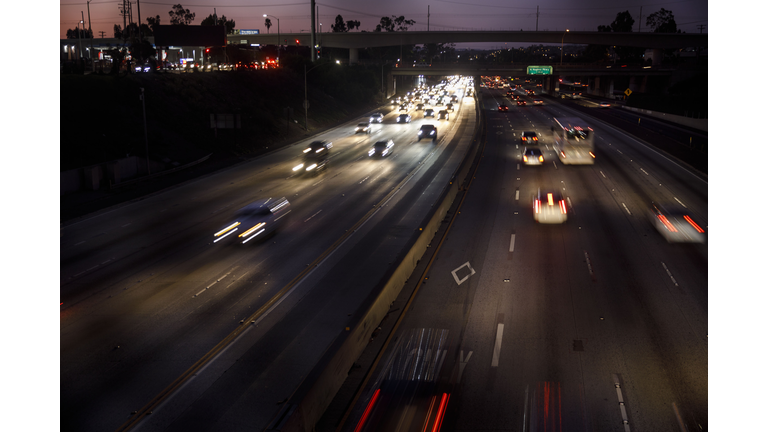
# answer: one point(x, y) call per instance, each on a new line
point(278, 32)
point(562, 41)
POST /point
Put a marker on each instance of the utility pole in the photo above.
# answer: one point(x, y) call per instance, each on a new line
point(537, 18)
point(640, 20)
point(138, 7)
point(427, 17)
point(313, 54)
point(93, 65)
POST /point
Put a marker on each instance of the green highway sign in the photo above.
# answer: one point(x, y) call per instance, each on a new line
point(539, 70)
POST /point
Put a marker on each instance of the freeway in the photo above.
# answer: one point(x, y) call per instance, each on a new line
point(596, 324)
point(146, 293)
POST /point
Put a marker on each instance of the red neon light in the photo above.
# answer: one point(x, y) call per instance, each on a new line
point(441, 412)
point(367, 410)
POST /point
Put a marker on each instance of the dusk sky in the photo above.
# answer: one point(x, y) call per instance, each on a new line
point(294, 15)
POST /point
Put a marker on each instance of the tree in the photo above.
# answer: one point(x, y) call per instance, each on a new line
point(118, 31)
point(353, 24)
point(153, 21)
point(394, 24)
point(181, 16)
point(623, 22)
point(268, 24)
point(340, 26)
point(212, 20)
point(662, 21)
point(84, 33)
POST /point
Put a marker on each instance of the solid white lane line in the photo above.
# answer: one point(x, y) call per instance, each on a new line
point(512, 244)
point(497, 346)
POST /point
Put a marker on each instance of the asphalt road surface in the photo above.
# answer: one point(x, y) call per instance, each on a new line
point(146, 294)
point(596, 324)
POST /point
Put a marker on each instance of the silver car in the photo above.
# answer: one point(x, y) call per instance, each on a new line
point(549, 208)
point(675, 224)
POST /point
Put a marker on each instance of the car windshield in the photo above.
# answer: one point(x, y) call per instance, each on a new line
point(380, 144)
point(362, 125)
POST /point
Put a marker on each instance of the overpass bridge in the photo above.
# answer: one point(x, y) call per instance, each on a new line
point(357, 40)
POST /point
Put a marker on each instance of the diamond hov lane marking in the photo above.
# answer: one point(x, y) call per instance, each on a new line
point(456, 278)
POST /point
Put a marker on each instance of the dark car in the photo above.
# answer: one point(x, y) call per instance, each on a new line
point(529, 138)
point(503, 108)
point(429, 112)
point(376, 118)
point(443, 115)
point(427, 131)
point(404, 118)
point(318, 149)
point(255, 221)
point(381, 148)
point(520, 102)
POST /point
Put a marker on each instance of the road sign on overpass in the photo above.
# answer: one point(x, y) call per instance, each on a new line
point(539, 70)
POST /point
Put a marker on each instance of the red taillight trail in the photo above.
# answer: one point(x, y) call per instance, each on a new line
point(367, 411)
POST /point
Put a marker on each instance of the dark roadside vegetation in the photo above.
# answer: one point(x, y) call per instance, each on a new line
point(102, 119)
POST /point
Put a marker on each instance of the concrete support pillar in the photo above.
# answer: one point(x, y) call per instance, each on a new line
point(657, 57)
point(352, 56)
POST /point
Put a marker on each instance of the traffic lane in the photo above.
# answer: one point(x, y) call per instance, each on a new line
point(84, 245)
point(668, 180)
point(168, 295)
point(660, 341)
point(158, 219)
point(684, 143)
point(334, 290)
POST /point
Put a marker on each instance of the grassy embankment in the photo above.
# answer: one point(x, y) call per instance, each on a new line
point(102, 116)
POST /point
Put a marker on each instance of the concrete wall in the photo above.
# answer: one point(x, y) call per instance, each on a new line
point(700, 124)
point(95, 177)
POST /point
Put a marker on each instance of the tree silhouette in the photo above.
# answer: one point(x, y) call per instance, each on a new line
point(268, 24)
point(212, 20)
point(394, 24)
point(84, 33)
point(662, 21)
point(153, 21)
point(623, 22)
point(340, 26)
point(181, 16)
point(353, 24)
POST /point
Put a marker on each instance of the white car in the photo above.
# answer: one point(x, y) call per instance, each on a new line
point(363, 128)
point(675, 224)
point(533, 156)
point(549, 208)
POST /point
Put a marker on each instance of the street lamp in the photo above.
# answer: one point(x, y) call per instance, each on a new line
point(561, 46)
point(278, 33)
